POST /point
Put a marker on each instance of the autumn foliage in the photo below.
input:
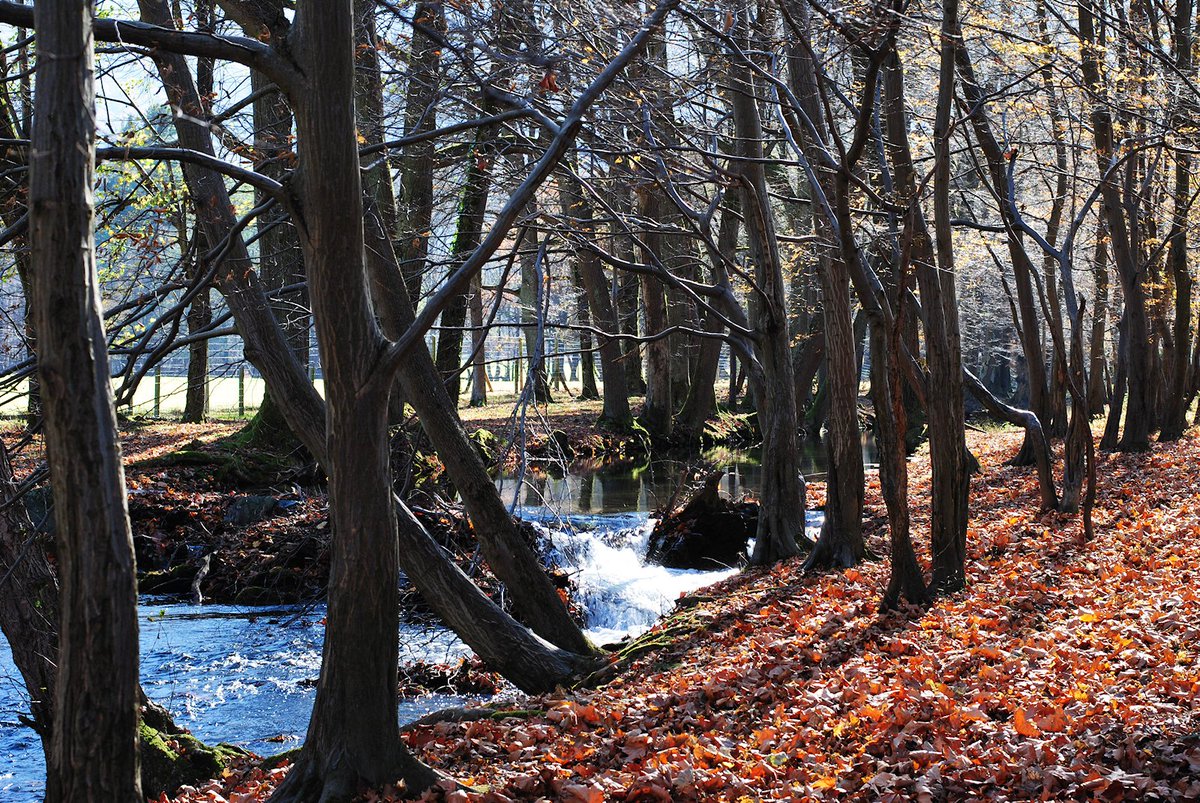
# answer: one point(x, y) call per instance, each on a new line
point(1067, 671)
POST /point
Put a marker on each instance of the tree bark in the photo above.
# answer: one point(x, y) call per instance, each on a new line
point(587, 357)
point(840, 543)
point(533, 335)
point(353, 736)
point(1135, 339)
point(1097, 363)
point(657, 411)
point(781, 510)
point(417, 166)
point(199, 316)
point(1178, 396)
point(947, 419)
point(95, 732)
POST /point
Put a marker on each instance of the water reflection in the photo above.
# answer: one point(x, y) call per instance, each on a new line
point(596, 487)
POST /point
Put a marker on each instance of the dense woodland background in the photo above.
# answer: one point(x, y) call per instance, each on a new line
point(875, 215)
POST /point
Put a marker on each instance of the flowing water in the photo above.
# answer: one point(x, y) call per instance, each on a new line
point(247, 675)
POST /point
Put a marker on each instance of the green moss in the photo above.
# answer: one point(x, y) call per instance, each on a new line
point(170, 760)
point(286, 757)
point(520, 713)
point(488, 444)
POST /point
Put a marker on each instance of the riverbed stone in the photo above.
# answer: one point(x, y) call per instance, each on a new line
point(246, 510)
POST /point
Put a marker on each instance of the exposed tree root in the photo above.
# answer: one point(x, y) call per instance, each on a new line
point(331, 777)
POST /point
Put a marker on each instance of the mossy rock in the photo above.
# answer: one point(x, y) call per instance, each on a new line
point(561, 444)
point(488, 444)
point(170, 760)
point(279, 759)
point(175, 580)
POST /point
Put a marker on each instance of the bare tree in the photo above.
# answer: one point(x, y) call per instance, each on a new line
point(95, 731)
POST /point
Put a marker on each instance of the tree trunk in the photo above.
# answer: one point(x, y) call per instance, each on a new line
point(781, 510)
point(280, 261)
point(199, 316)
point(587, 357)
point(947, 421)
point(467, 236)
point(415, 218)
point(656, 411)
point(352, 736)
point(1097, 368)
point(701, 401)
point(1135, 337)
point(462, 606)
point(614, 365)
point(1178, 395)
point(95, 732)
point(533, 314)
point(1116, 403)
point(626, 298)
point(841, 540)
point(904, 579)
point(479, 380)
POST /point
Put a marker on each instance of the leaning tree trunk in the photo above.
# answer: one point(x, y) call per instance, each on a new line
point(1029, 323)
point(509, 556)
point(280, 262)
point(266, 346)
point(95, 731)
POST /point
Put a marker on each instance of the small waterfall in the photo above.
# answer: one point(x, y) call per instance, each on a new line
point(621, 594)
point(605, 555)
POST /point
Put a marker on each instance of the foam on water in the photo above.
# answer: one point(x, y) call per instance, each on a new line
point(620, 593)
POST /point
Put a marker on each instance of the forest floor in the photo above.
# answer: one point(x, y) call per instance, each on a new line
point(1066, 670)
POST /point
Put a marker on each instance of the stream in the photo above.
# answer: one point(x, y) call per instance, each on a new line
point(246, 675)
